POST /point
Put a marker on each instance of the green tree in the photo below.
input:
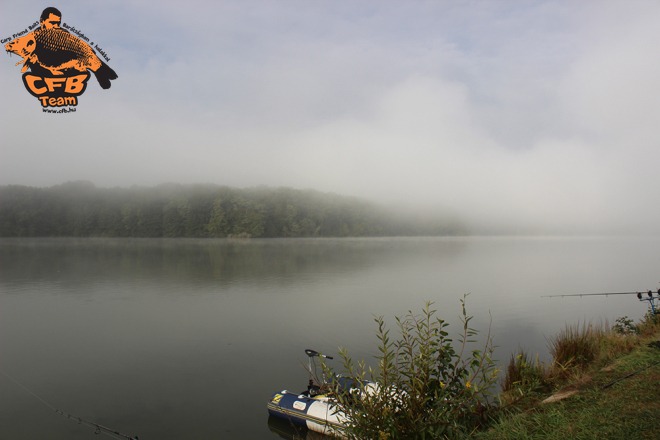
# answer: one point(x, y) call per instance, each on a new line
point(217, 225)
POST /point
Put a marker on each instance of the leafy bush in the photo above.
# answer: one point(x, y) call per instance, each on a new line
point(625, 326)
point(427, 385)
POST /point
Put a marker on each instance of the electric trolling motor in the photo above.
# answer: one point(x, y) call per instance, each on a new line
point(313, 389)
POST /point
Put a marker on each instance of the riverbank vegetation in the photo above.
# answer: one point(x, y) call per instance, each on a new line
point(428, 385)
point(80, 209)
point(602, 382)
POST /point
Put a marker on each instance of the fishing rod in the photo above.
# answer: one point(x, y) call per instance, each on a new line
point(638, 293)
point(98, 429)
point(649, 297)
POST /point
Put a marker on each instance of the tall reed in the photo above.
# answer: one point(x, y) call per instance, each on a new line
point(523, 375)
point(576, 347)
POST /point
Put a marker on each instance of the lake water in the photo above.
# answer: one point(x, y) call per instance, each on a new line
point(187, 339)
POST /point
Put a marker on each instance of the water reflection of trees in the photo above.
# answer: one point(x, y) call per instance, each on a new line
point(217, 261)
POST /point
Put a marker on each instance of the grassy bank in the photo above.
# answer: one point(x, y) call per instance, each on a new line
point(606, 386)
point(603, 382)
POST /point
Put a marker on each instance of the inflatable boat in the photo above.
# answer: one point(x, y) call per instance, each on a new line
point(314, 408)
point(314, 413)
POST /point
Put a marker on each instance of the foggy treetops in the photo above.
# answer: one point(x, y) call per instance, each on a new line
point(80, 209)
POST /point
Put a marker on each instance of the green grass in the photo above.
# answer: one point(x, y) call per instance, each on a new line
point(608, 404)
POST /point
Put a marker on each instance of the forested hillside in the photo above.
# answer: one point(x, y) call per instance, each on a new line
point(79, 209)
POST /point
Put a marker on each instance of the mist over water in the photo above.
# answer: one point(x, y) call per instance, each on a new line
point(536, 117)
point(173, 339)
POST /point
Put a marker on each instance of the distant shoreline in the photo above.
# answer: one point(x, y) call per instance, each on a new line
point(80, 209)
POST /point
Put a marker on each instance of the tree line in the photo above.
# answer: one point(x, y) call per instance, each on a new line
point(80, 209)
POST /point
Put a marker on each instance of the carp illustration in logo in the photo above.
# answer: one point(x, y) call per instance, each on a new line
point(58, 62)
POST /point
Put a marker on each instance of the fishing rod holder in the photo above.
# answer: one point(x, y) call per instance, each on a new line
point(651, 300)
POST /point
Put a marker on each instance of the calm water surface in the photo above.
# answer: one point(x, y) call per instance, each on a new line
point(187, 339)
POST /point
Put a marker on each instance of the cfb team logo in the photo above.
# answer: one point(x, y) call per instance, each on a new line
point(56, 64)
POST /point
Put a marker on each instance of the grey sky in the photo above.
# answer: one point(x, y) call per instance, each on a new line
point(520, 113)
